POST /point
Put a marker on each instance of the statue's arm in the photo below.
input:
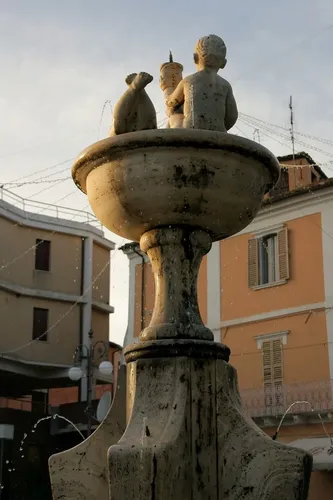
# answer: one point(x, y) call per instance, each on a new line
point(231, 111)
point(176, 99)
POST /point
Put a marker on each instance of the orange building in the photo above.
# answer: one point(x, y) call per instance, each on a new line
point(267, 293)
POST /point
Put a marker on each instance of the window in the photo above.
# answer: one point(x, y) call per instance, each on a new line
point(268, 259)
point(42, 255)
point(40, 324)
point(268, 264)
point(273, 375)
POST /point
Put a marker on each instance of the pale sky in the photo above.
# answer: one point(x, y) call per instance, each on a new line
point(61, 60)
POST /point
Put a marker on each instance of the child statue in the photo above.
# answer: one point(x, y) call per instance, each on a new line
point(207, 99)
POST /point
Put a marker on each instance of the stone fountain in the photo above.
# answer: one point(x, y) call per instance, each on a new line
point(176, 190)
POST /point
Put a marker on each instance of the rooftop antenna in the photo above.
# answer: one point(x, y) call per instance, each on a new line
point(292, 136)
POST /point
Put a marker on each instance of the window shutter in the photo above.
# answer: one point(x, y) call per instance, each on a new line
point(277, 361)
point(253, 278)
point(278, 373)
point(283, 254)
point(273, 372)
point(267, 372)
point(267, 362)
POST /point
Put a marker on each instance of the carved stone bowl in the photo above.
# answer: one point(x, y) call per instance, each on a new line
point(155, 178)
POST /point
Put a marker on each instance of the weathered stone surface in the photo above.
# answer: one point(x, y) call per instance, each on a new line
point(251, 465)
point(171, 74)
point(206, 99)
point(134, 111)
point(82, 472)
point(144, 180)
point(175, 254)
point(188, 439)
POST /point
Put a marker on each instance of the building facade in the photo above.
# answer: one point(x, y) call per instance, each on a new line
point(267, 293)
point(54, 288)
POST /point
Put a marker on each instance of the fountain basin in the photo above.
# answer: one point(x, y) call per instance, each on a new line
point(144, 180)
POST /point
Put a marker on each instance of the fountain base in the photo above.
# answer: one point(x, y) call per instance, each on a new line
point(189, 438)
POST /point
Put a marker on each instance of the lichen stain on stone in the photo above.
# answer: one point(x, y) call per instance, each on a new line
point(153, 482)
point(200, 178)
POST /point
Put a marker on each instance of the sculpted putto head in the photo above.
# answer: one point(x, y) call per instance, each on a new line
point(210, 52)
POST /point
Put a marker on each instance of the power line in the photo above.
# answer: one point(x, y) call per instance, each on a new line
point(47, 181)
point(249, 124)
point(308, 136)
point(269, 129)
point(243, 133)
point(46, 189)
point(44, 170)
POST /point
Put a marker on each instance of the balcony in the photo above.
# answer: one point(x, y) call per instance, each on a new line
point(267, 407)
point(31, 208)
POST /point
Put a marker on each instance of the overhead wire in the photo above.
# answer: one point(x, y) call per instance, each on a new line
point(13, 185)
point(267, 135)
point(285, 137)
point(47, 188)
point(18, 179)
point(309, 136)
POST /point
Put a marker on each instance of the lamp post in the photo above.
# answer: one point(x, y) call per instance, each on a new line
point(75, 373)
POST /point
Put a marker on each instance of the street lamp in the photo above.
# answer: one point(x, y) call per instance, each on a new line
point(75, 373)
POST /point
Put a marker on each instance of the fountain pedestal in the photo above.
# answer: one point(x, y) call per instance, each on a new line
point(187, 436)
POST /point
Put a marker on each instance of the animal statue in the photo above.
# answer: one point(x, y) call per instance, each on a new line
point(134, 111)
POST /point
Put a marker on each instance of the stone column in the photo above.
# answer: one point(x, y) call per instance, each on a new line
point(176, 254)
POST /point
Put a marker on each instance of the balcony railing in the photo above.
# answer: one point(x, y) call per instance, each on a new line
point(31, 207)
point(274, 402)
point(16, 404)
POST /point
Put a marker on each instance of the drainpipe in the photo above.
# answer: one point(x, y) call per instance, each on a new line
point(142, 286)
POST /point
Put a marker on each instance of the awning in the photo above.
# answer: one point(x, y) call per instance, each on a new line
point(320, 449)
